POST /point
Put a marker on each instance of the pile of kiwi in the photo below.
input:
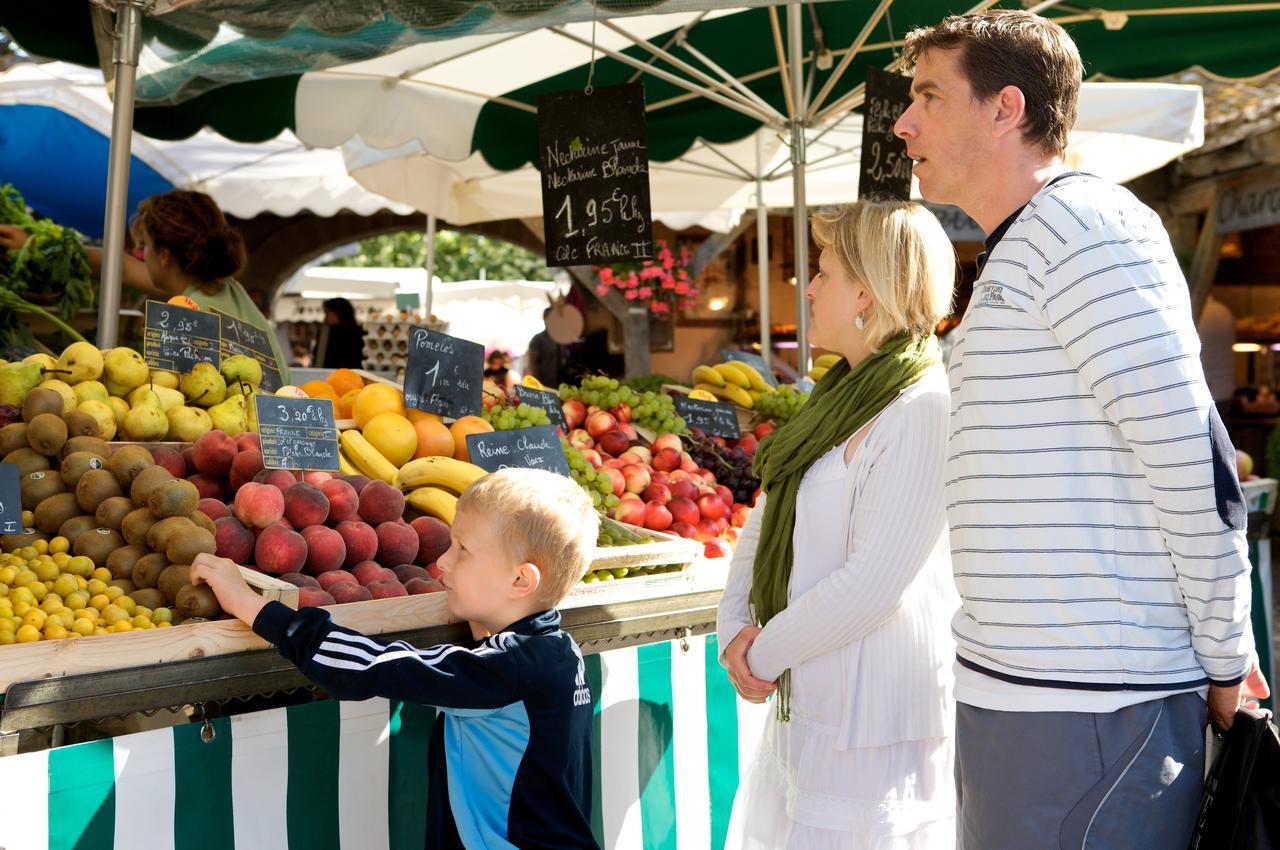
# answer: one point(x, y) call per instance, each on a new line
point(116, 507)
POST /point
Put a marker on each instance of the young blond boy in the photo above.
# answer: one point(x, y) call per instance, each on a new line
point(514, 750)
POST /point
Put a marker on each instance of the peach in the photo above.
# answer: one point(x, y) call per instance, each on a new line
point(214, 452)
point(642, 452)
point(601, 423)
point(300, 580)
point(684, 529)
point(712, 506)
point(387, 589)
point(361, 540)
point(575, 413)
point(684, 510)
point(613, 442)
point(434, 539)
point(279, 550)
point(637, 477)
point(622, 412)
point(281, 479)
point(348, 591)
point(233, 540)
point(367, 571)
point(315, 477)
point(707, 529)
point(406, 572)
point(246, 465)
point(209, 486)
point(740, 515)
point(380, 502)
point(314, 597)
point(707, 476)
point(613, 463)
point(344, 501)
point(214, 509)
point(631, 511)
point(397, 543)
point(630, 430)
point(581, 440)
point(329, 579)
point(666, 460)
point(259, 505)
point(418, 586)
point(170, 460)
point(357, 482)
point(716, 548)
point(248, 441)
point(666, 441)
point(688, 464)
point(326, 550)
point(748, 443)
point(725, 494)
point(618, 480)
point(660, 477)
point(189, 457)
point(659, 493)
point(683, 489)
point(305, 505)
point(657, 517)
point(593, 457)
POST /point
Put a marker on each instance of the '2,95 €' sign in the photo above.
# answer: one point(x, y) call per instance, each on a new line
point(297, 433)
point(444, 375)
point(594, 161)
point(176, 338)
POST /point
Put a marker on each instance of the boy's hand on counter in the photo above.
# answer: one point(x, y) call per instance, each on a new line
point(224, 579)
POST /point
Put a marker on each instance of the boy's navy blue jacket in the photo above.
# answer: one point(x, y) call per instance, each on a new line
point(514, 749)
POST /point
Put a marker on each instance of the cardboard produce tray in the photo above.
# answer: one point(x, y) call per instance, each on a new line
point(659, 548)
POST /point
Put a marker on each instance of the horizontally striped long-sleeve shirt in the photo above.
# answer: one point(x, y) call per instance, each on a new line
point(1095, 516)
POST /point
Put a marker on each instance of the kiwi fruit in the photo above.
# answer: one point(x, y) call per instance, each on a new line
point(146, 481)
point(55, 510)
point(27, 461)
point(121, 561)
point(112, 511)
point(173, 579)
point(13, 437)
point(78, 463)
point(41, 401)
point(27, 537)
point(95, 487)
point(178, 497)
point(200, 602)
point(158, 535)
point(149, 597)
point(97, 544)
point(77, 525)
point(124, 584)
point(127, 461)
point(81, 424)
point(136, 524)
point(38, 486)
point(147, 570)
point(201, 519)
point(47, 434)
point(90, 443)
point(183, 548)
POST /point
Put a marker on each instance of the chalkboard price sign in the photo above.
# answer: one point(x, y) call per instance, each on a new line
point(240, 337)
point(176, 339)
point(886, 168)
point(533, 448)
point(710, 417)
point(755, 361)
point(297, 433)
point(445, 374)
point(595, 176)
point(548, 400)
point(10, 500)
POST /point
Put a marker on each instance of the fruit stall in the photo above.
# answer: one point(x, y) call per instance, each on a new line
point(125, 689)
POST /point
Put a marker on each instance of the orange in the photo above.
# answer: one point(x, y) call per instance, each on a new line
point(416, 416)
point(344, 404)
point(344, 381)
point(461, 428)
point(183, 301)
point(319, 389)
point(375, 399)
point(434, 438)
point(393, 436)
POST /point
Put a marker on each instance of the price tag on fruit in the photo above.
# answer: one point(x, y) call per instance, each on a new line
point(548, 400)
point(176, 338)
point(240, 337)
point(10, 500)
point(297, 433)
point(534, 448)
point(755, 361)
point(718, 418)
point(445, 374)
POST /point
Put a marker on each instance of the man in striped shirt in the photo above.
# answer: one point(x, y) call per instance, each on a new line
point(1096, 521)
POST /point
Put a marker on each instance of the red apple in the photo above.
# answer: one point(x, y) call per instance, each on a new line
point(716, 548)
point(684, 530)
point(575, 413)
point(630, 511)
point(666, 460)
point(763, 430)
point(601, 423)
point(613, 442)
point(749, 443)
point(667, 441)
point(684, 510)
point(637, 476)
point(657, 517)
point(659, 493)
point(712, 506)
point(581, 440)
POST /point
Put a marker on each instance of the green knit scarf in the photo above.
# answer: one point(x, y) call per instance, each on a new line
point(844, 400)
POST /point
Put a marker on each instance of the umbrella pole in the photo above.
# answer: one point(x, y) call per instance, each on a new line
point(128, 45)
point(762, 253)
point(431, 264)
point(799, 212)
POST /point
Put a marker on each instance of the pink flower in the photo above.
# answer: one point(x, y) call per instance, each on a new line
point(668, 283)
point(606, 275)
point(645, 292)
point(633, 280)
point(682, 288)
point(630, 294)
point(602, 290)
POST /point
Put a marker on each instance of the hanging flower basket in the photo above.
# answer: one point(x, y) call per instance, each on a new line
point(663, 284)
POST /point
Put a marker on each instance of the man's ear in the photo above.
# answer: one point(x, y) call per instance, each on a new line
point(527, 581)
point(1010, 110)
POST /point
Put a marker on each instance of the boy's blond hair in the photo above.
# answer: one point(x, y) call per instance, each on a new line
point(541, 518)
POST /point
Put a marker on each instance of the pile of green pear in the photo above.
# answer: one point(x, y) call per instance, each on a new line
point(115, 395)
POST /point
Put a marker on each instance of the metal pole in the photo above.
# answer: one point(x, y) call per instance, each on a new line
point(431, 263)
point(762, 253)
point(128, 44)
point(799, 212)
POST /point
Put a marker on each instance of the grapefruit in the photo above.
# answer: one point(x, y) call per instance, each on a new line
point(375, 399)
point(461, 428)
point(434, 439)
point(393, 436)
point(319, 389)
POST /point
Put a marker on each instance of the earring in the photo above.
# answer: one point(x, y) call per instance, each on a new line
point(858, 321)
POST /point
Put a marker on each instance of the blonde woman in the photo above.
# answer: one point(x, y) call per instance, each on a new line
point(840, 594)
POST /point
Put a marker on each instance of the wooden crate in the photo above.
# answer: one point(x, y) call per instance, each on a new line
point(660, 548)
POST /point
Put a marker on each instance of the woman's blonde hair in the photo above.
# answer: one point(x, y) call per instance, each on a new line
point(902, 254)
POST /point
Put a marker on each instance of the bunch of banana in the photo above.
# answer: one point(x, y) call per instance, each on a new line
point(357, 453)
point(822, 364)
point(433, 501)
point(732, 381)
point(432, 484)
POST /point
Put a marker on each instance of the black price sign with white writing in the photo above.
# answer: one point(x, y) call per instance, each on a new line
point(548, 400)
point(445, 374)
point(176, 338)
point(711, 417)
point(595, 176)
point(10, 500)
point(240, 337)
point(886, 168)
point(755, 361)
point(533, 448)
point(297, 433)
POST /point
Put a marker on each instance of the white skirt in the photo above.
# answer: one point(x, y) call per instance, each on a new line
point(801, 793)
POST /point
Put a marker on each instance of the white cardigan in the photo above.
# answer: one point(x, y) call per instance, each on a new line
point(888, 610)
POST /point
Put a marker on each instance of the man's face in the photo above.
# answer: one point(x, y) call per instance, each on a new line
point(946, 130)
